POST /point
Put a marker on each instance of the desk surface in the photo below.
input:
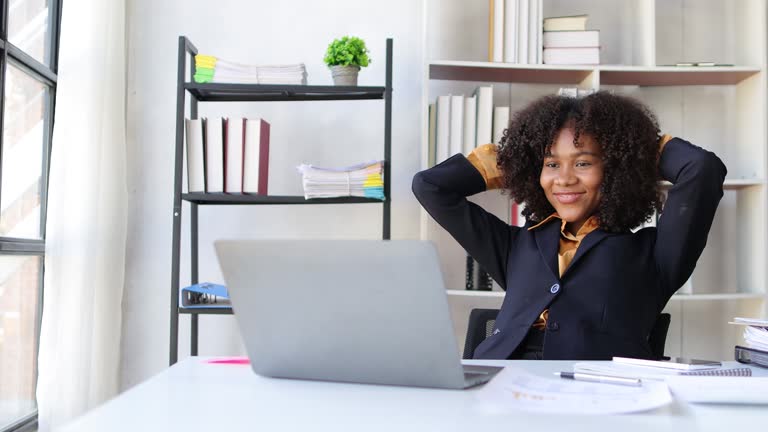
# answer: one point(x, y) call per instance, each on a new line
point(197, 396)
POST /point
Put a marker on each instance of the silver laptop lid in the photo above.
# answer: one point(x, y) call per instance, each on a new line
point(367, 311)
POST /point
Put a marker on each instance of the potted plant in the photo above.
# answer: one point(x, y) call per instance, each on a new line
point(345, 57)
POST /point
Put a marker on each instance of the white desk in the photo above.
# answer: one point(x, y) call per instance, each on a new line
point(196, 396)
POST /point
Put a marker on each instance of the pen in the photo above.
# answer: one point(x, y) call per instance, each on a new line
point(635, 382)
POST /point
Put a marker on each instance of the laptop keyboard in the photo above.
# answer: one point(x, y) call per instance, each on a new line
point(476, 375)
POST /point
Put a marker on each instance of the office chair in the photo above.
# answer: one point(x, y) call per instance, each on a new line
point(481, 322)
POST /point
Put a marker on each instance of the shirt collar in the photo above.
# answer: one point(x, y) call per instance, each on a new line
point(590, 225)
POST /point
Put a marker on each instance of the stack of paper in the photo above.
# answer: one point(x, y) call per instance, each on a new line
point(363, 180)
point(212, 69)
point(755, 332)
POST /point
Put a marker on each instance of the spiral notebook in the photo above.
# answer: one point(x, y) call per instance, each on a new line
point(632, 371)
point(720, 372)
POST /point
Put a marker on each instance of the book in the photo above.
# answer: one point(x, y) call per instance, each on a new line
point(195, 155)
point(470, 124)
point(498, 31)
point(510, 30)
point(431, 130)
point(233, 154)
point(572, 56)
point(500, 123)
point(533, 28)
point(256, 157)
point(484, 280)
point(522, 31)
point(456, 137)
point(572, 39)
point(491, 22)
point(748, 355)
point(442, 143)
point(539, 32)
point(469, 284)
point(571, 22)
point(484, 122)
point(204, 295)
point(214, 155)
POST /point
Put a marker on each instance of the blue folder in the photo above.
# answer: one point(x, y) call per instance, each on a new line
point(204, 295)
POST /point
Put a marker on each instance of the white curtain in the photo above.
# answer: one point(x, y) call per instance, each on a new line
point(86, 229)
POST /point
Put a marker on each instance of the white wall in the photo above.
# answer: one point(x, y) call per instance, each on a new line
point(323, 133)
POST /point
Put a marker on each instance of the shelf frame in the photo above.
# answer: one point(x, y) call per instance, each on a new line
point(228, 92)
point(246, 199)
point(231, 92)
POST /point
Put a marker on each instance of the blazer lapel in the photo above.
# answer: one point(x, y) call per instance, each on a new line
point(548, 241)
point(590, 241)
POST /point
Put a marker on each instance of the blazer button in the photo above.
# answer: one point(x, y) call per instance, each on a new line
point(554, 288)
point(553, 326)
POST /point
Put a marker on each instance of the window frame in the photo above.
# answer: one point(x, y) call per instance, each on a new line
point(48, 76)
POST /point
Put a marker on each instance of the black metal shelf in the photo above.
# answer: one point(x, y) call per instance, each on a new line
point(206, 311)
point(223, 92)
point(188, 95)
point(245, 199)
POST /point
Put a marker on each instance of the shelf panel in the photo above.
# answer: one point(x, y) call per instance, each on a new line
point(724, 296)
point(674, 76)
point(206, 311)
point(222, 92)
point(681, 297)
point(233, 199)
point(508, 72)
point(467, 293)
point(576, 74)
point(730, 184)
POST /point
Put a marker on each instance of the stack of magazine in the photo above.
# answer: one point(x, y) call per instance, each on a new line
point(210, 69)
point(755, 350)
point(362, 180)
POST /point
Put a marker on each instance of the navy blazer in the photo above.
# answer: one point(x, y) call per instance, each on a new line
point(607, 301)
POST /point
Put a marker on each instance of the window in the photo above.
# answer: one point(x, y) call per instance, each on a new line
point(29, 39)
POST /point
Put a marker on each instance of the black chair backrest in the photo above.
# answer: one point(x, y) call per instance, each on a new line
point(481, 322)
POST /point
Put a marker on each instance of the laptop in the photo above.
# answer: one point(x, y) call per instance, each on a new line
point(358, 311)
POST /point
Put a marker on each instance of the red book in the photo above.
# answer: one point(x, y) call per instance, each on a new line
point(256, 157)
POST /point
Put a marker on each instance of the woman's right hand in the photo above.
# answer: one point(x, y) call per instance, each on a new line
point(483, 158)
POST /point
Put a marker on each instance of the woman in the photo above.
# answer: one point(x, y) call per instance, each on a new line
point(579, 283)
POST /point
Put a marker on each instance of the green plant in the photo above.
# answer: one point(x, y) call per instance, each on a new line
point(347, 51)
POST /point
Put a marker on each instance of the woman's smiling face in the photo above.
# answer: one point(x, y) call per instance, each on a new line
point(571, 178)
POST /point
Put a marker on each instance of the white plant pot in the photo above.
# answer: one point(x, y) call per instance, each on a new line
point(345, 75)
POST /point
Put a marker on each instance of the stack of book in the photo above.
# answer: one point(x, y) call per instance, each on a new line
point(362, 180)
point(568, 42)
point(458, 124)
point(755, 350)
point(212, 69)
point(514, 31)
point(574, 92)
point(227, 155)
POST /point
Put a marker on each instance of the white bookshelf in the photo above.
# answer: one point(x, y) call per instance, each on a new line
point(721, 108)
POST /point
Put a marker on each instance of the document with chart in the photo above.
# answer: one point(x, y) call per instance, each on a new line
point(515, 389)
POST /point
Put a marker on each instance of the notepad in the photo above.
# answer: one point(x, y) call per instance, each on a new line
point(720, 390)
point(678, 363)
